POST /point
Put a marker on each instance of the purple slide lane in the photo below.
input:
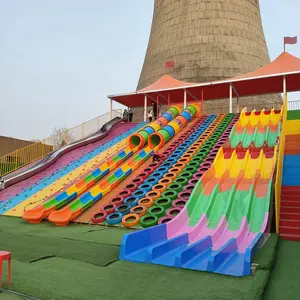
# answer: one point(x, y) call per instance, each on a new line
point(68, 158)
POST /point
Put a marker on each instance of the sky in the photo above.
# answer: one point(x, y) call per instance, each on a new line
point(60, 59)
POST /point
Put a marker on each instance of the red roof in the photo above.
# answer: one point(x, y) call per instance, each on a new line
point(265, 80)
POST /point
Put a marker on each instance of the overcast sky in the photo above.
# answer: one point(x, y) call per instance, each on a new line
point(59, 59)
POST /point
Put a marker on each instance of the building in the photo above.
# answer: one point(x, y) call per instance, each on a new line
point(206, 40)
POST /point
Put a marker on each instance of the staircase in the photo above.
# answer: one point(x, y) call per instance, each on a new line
point(289, 226)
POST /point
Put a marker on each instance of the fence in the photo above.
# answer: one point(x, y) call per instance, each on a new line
point(294, 105)
point(24, 156)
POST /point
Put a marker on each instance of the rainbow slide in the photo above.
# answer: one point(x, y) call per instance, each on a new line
point(63, 216)
point(136, 142)
point(226, 217)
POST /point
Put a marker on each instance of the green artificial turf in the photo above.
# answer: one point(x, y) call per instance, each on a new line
point(265, 258)
point(8, 296)
point(43, 247)
point(83, 232)
point(82, 268)
point(284, 280)
point(59, 278)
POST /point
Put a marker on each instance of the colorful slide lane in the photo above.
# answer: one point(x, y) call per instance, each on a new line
point(140, 196)
point(36, 214)
point(58, 180)
point(115, 133)
point(224, 220)
point(174, 178)
point(256, 128)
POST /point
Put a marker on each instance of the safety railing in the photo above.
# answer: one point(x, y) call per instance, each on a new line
point(280, 163)
point(60, 137)
point(294, 105)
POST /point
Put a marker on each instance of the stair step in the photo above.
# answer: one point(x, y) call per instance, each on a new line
point(290, 203)
point(289, 230)
point(289, 223)
point(290, 237)
point(289, 209)
point(290, 188)
point(289, 216)
point(294, 195)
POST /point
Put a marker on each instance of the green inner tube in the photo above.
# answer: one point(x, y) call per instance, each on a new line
point(192, 109)
point(165, 202)
point(170, 194)
point(187, 175)
point(175, 187)
point(148, 221)
point(174, 111)
point(181, 181)
point(155, 210)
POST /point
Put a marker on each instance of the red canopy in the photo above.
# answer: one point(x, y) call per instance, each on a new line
point(265, 80)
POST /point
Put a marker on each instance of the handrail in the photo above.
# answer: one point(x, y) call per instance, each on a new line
point(294, 105)
point(280, 163)
point(38, 150)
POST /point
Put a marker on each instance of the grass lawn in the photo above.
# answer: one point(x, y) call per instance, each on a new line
point(81, 262)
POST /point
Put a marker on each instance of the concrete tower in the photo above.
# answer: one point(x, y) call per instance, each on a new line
point(207, 40)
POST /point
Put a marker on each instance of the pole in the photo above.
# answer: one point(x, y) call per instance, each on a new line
point(202, 102)
point(111, 104)
point(157, 99)
point(184, 100)
point(284, 86)
point(145, 108)
point(238, 105)
point(230, 98)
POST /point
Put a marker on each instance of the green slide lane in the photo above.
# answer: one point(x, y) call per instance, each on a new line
point(235, 138)
point(259, 207)
point(240, 208)
point(260, 137)
point(219, 207)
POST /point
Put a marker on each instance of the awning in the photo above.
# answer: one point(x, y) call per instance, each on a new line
point(265, 80)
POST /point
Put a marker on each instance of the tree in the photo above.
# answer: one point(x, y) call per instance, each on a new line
point(61, 137)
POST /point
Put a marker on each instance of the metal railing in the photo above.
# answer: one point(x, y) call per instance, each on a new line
point(61, 137)
point(294, 105)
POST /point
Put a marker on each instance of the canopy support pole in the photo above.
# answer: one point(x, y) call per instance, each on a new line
point(157, 100)
point(111, 105)
point(184, 99)
point(145, 108)
point(237, 104)
point(230, 98)
point(195, 98)
point(202, 103)
point(284, 86)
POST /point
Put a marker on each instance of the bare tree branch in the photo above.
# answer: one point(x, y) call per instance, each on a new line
point(61, 137)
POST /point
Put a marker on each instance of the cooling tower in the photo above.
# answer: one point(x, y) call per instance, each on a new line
point(207, 40)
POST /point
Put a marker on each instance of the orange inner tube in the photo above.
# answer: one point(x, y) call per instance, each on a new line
point(147, 202)
point(165, 181)
point(153, 195)
point(170, 175)
point(139, 210)
point(179, 165)
point(159, 187)
point(175, 170)
point(130, 220)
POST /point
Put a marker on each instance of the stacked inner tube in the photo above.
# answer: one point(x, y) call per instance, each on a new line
point(148, 196)
point(130, 194)
point(219, 137)
point(140, 139)
point(162, 136)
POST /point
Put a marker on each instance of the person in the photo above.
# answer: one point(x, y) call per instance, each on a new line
point(154, 109)
point(156, 157)
point(130, 115)
point(125, 115)
point(150, 116)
